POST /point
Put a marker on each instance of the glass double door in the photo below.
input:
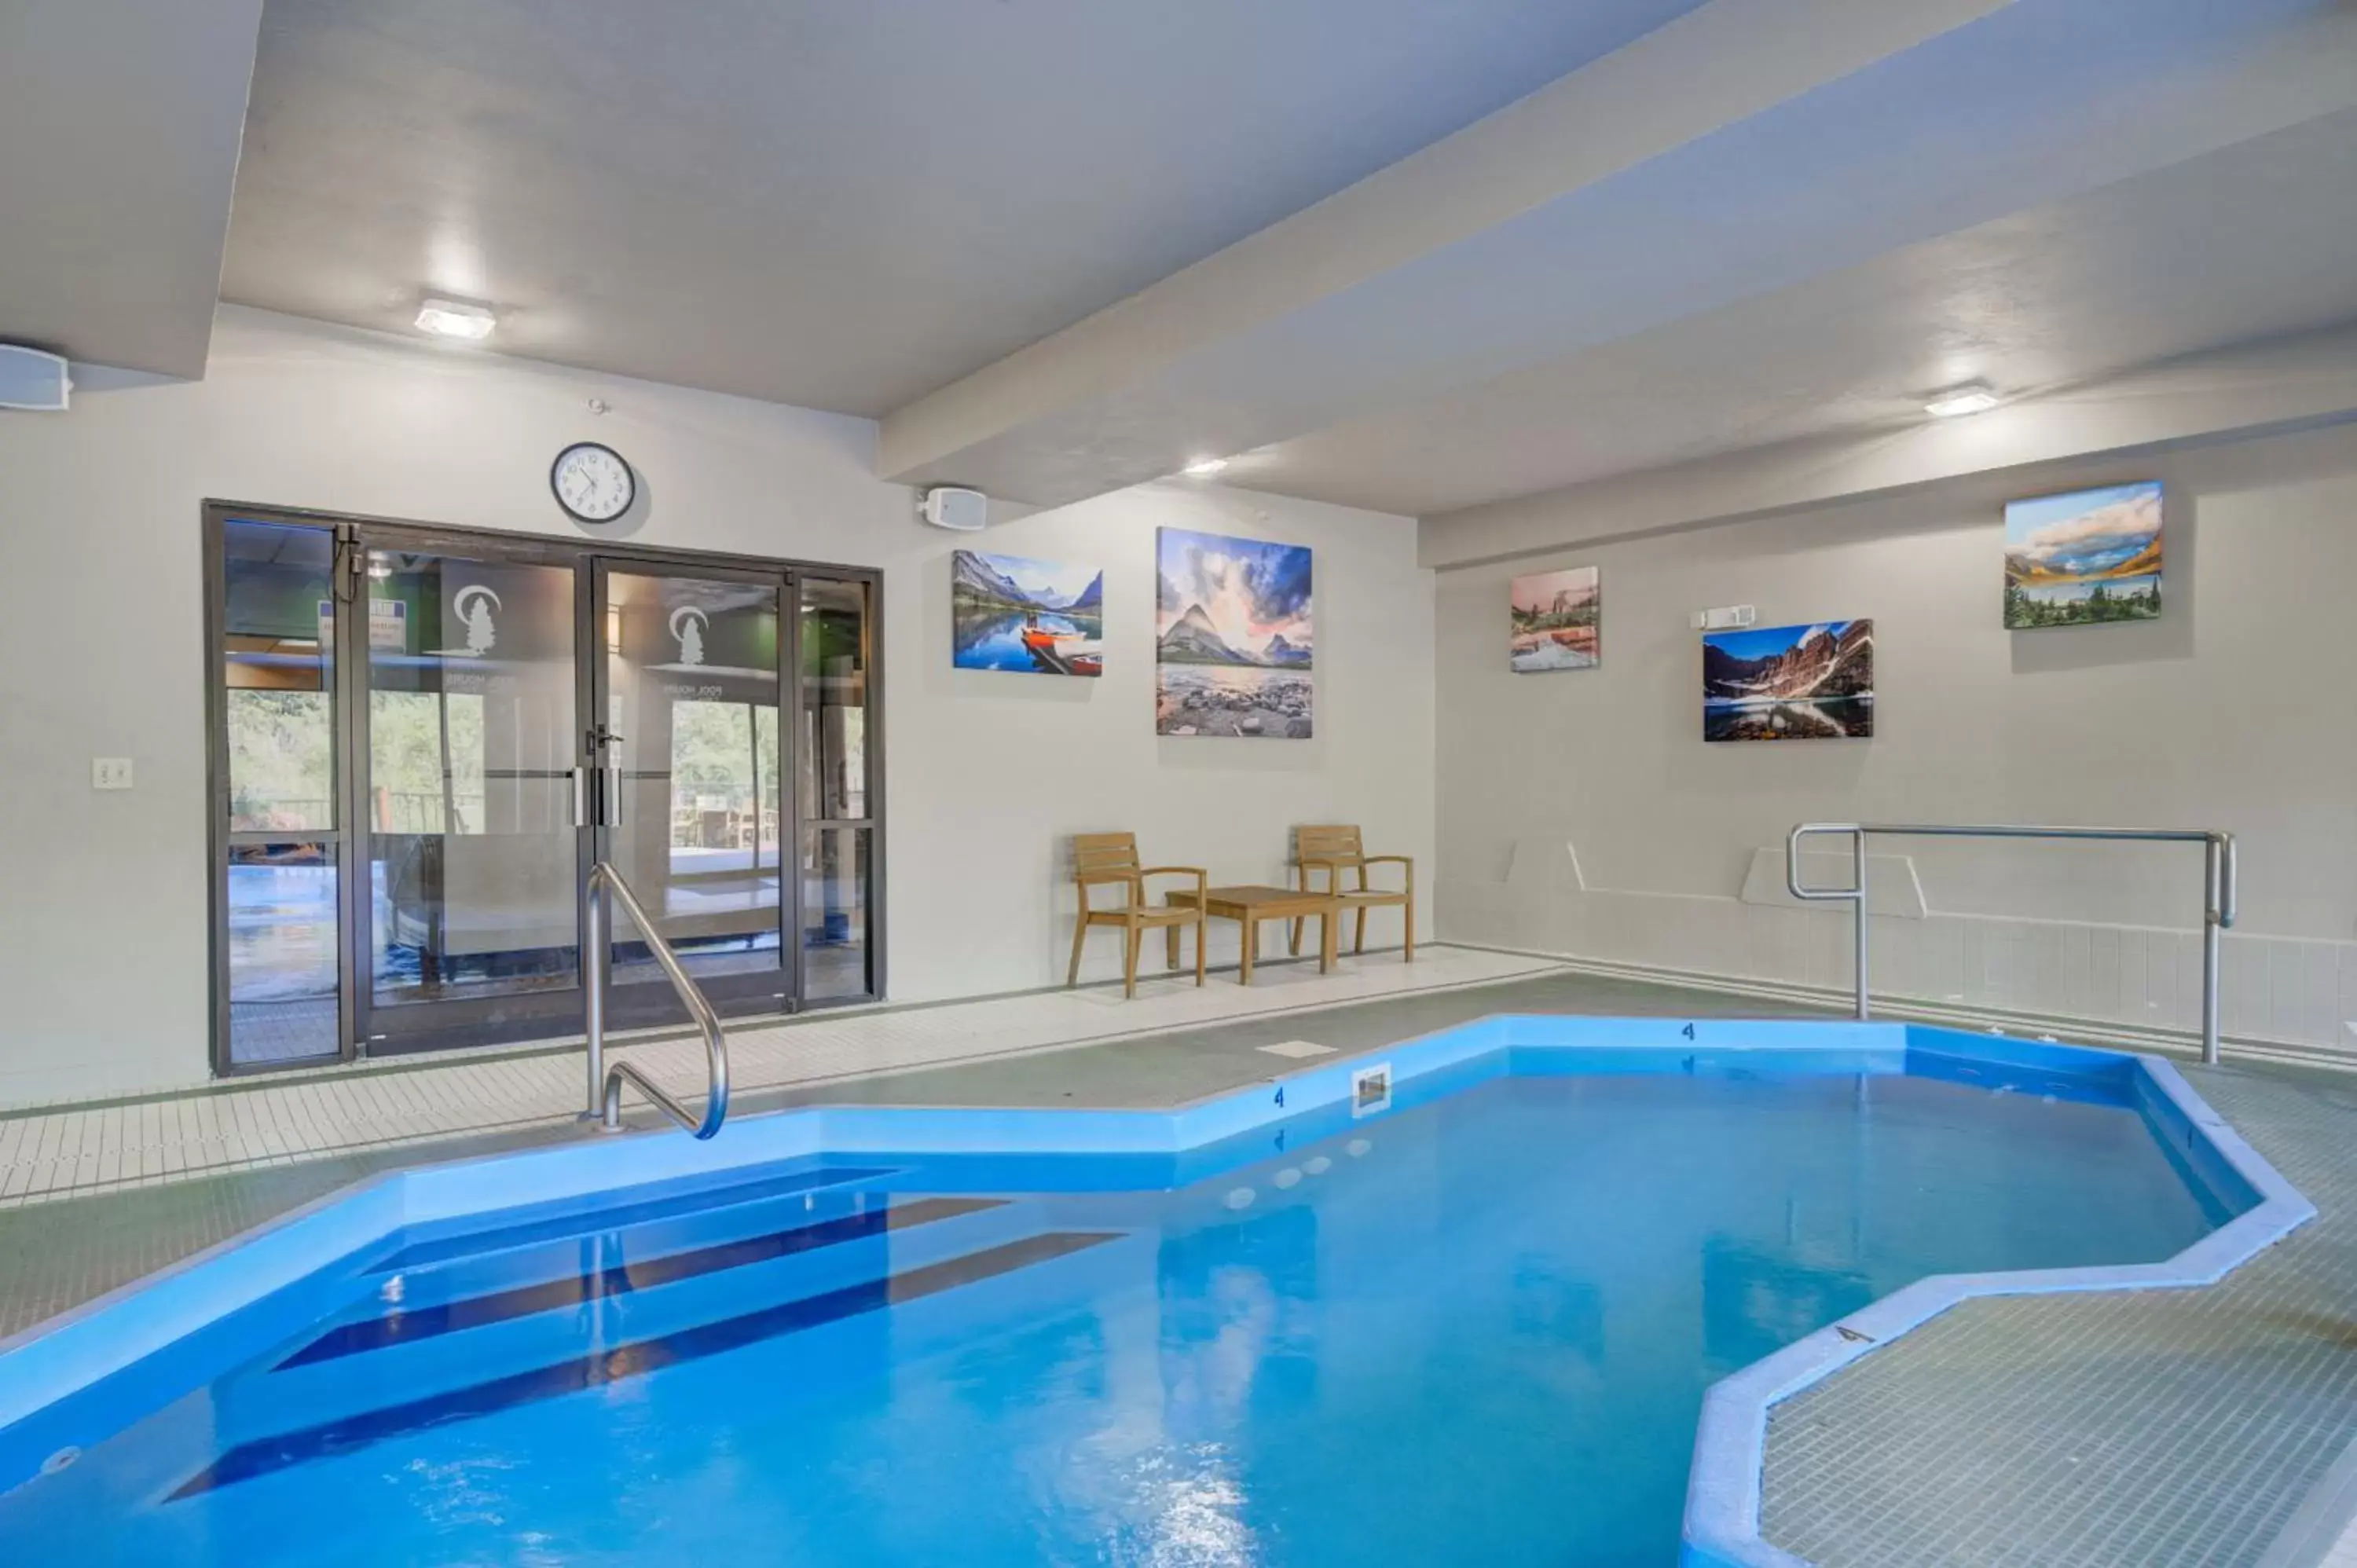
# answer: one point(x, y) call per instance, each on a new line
point(494, 716)
point(528, 717)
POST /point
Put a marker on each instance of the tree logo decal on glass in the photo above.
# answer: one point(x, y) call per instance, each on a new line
point(687, 624)
point(473, 605)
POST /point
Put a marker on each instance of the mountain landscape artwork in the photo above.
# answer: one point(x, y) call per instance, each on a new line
point(1555, 620)
point(2090, 555)
point(1234, 641)
point(1790, 683)
point(1040, 616)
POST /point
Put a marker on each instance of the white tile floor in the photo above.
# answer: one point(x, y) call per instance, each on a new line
point(65, 1150)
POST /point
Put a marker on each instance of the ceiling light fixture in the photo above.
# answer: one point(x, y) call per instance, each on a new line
point(1973, 397)
point(1204, 468)
point(455, 318)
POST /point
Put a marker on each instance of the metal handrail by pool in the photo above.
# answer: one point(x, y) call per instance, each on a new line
point(605, 1083)
point(2217, 885)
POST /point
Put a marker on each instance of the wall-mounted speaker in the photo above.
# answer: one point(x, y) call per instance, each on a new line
point(947, 506)
point(32, 380)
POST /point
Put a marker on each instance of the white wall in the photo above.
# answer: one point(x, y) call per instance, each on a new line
point(103, 952)
point(2229, 711)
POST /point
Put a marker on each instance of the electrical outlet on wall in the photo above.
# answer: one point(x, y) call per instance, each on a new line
point(110, 773)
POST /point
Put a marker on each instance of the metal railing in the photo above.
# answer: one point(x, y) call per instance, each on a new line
point(605, 1083)
point(2217, 884)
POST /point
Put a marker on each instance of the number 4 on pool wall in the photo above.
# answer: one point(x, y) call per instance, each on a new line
point(1687, 1031)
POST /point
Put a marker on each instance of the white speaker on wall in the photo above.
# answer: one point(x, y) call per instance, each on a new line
point(947, 506)
point(32, 380)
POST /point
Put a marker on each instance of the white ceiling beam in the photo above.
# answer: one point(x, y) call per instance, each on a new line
point(2293, 384)
point(1716, 65)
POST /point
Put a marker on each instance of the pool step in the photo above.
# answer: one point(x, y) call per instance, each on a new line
point(604, 1298)
point(527, 1263)
point(539, 1224)
point(625, 1274)
point(321, 1394)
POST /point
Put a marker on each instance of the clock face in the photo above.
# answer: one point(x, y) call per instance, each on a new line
point(592, 482)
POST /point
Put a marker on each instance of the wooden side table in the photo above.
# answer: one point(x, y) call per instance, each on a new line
point(1249, 906)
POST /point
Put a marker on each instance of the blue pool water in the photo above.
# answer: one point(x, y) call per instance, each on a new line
point(1475, 1329)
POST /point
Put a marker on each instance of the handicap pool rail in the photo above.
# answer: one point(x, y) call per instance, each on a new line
point(2217, 884)
point(607, 888)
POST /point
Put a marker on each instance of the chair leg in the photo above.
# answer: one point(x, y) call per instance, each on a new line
point(1358, 939)
point(1202, 929)
point(1170, 947)
point(1080, 931)
point(1129, 962)
point(1252, 941)
point(1407, 913)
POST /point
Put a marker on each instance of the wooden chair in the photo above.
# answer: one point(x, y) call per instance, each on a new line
point(1336, 850)
point(1113, 857)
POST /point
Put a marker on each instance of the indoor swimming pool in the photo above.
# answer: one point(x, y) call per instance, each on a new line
point(1463, 1307)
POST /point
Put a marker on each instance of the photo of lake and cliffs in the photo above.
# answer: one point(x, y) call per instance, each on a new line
point(1790, 683)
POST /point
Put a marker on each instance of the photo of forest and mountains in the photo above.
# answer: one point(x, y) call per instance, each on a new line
point(2090, 555)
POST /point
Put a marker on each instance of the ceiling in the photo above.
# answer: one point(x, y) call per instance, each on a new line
point(1415, 255)
point(842, 206)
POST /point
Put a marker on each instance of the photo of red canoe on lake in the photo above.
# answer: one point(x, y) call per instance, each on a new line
point(1039, 618)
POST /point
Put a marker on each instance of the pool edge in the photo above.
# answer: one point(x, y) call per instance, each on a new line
point(66, 1357)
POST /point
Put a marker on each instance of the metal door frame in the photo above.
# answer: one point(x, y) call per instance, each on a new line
point(627, 1007)
point(451, 1021)
point(462, 1022)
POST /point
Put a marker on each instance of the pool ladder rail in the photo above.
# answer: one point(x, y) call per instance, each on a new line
point(2217, 884)
point(607, 888)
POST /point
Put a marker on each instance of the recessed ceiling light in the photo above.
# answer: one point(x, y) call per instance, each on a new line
point(1973, 397)
point(455, 318)
point(1204, 468)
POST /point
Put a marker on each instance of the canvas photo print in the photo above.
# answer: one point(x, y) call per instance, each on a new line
point(1555, 617)
point(1041, 618)
point(1788, 682)
point(1232, 634)
point(2090, 555)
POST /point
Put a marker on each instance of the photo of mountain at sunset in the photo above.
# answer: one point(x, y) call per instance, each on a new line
point(2090, 555)
point(1232, 637)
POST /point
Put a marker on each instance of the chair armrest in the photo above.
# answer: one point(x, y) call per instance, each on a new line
point(1202, 878)
point(1406, 862)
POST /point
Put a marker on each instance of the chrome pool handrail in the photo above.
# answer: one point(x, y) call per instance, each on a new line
point(605, 1083)
point(2218, 885)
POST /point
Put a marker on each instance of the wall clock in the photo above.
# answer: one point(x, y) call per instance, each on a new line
point(592, 482)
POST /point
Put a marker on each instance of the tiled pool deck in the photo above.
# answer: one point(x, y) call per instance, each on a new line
point(2182, 1427)
point(2161, 1427)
